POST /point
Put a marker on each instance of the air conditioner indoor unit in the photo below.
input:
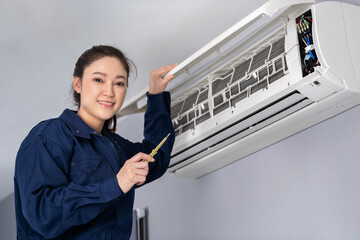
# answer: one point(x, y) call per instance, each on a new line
point(285, 67)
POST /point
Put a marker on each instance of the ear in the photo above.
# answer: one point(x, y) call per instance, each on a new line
point(77, 84)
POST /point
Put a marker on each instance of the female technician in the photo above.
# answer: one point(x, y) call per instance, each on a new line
point(74, 176)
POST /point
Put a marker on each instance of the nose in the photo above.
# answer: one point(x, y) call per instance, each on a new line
point(109, 89)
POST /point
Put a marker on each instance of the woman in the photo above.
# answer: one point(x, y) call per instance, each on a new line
point(74, 177)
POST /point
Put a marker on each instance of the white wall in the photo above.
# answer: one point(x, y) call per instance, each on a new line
point(304, 187)
point(7, 218)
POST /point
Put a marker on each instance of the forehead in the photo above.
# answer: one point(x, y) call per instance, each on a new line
point(108, 65)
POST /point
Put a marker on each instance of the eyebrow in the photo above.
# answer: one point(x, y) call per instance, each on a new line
point(104, 74)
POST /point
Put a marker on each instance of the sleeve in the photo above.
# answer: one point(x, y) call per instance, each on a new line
point(49, 202)
point(157, 125)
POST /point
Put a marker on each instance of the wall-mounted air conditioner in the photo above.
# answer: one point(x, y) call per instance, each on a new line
point(285, 67)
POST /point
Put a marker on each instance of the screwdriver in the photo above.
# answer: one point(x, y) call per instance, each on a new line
point(154, 151)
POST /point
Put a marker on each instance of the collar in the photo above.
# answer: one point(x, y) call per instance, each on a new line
point(77, 126)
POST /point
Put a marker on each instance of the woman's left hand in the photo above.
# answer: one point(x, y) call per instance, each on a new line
point(158, 84)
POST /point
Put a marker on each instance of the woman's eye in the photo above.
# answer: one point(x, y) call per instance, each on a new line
point(120, 84)
point(98, 80)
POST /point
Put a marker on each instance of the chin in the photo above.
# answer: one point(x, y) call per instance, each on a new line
point(106, 116)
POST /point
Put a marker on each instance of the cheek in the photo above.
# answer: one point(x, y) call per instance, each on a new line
point(121, 95)
point(91, 91)
point(88, 94)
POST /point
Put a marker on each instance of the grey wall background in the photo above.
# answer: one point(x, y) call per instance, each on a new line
point(304, 187)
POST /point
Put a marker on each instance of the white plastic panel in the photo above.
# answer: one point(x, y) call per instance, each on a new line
point(222, 49)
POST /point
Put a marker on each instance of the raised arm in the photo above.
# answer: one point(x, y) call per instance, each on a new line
point(157, 125)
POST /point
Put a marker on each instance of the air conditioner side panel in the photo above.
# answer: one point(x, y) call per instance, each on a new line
point(331, 40)
point(351, 15)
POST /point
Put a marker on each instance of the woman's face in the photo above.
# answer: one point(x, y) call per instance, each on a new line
point(102, 91)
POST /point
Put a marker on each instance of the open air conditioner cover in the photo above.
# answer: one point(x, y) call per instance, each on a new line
point(285, 67)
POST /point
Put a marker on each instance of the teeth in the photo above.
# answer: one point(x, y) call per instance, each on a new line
point(106, 103)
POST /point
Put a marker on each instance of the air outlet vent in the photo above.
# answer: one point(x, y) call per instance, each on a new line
point(243, 127)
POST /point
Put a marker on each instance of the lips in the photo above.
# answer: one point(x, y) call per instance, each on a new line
point(106, 103)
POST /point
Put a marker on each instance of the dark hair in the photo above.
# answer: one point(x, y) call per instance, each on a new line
point(93, 54)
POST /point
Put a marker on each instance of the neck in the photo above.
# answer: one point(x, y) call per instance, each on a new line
point(93, 122)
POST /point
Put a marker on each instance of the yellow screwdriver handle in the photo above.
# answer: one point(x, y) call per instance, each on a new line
point(154, 151)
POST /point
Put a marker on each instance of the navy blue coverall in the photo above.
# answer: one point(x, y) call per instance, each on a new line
point(65, 176)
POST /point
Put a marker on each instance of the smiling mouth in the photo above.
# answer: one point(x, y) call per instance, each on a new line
point(106, 104)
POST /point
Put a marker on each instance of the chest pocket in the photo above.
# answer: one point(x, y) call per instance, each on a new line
point(88, 170)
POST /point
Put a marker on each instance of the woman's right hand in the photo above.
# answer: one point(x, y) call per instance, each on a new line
point(134, 171)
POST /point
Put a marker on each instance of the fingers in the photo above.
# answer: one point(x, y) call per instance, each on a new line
point(160, 72)
point(140, 157)
point(158, 83)
point(139, 164)
point(168, 78)
point(139, 171)
point(165, 69)
point(134, 171)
